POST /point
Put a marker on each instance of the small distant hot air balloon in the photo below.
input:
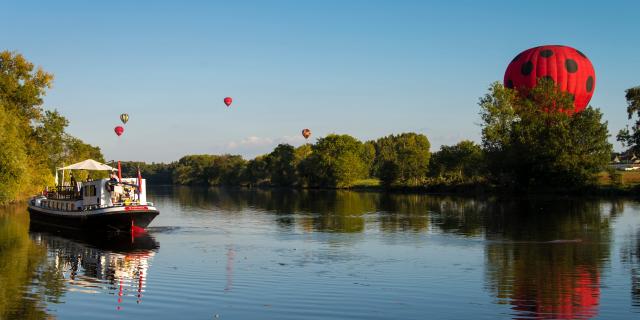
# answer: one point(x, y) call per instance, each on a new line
point(228, 101)
point(118, 130)
point(306, 133)
point(124, 118)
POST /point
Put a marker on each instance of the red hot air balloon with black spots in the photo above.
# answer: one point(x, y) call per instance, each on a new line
point(569, 68)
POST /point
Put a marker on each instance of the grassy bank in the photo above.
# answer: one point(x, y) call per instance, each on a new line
point(618, 183)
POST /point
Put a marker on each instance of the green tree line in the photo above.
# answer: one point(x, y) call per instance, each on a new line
point(334, 161)
point(33, 141)
point(531, 141)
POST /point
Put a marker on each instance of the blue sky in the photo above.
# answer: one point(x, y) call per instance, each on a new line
point(364, 68)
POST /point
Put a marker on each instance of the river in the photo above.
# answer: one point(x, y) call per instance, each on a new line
point(286, 254)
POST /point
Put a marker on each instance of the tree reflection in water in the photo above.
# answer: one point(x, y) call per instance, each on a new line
point(314, 210)
point(545, 257)
point(20, 259)
point(630, 255)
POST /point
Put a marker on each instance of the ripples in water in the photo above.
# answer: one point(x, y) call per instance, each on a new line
point(275, 254)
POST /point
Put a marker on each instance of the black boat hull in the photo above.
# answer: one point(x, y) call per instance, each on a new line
point(120, 220)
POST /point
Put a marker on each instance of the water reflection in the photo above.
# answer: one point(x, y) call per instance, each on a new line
point(630, 255)
point(96, 263)
point(20, 259)
point(545, 257)
point(529, 258)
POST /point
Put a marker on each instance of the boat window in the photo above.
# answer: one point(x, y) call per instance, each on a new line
point(90, 191)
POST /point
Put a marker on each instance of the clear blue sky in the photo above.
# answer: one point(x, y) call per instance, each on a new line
point(364, 68)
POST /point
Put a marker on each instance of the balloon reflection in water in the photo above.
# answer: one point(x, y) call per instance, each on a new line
point(550, 268)
point(100, 264)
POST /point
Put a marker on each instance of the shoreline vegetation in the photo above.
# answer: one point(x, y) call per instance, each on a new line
point(604, 187)
point(532, 143)
point(33, 141)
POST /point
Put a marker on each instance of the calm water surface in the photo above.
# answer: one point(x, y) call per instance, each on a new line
point(269, 254)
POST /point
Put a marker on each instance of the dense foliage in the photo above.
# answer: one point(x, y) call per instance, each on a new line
point(532, 140)
point(458, 163)
point(334, 161)
point(33, 141)
point(402, 159)
point(631, 138)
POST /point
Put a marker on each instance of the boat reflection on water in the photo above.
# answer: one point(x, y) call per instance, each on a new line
point(113, 264)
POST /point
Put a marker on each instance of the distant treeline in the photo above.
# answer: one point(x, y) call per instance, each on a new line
point(334, 161)
point(531, 141)
point(33, 142)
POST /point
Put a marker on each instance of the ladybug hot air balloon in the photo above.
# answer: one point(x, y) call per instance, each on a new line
point(118, 130)
point(124, 118)
point(228, 101)
point(569, 68)
point(306, 133)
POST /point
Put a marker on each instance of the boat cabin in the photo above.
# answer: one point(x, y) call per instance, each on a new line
point(94, 194)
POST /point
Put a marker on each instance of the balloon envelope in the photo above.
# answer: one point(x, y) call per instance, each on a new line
point(124, 118)
point(118, 130)
point(306, 133)
point(228, 101)
point(569, 68)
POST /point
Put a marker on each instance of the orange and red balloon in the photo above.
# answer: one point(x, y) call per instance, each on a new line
point(118, 130)
point(306, 133)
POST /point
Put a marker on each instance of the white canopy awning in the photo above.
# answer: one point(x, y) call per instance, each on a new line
point(88, 164)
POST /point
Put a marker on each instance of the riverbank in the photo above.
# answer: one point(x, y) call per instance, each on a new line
point(476, 188)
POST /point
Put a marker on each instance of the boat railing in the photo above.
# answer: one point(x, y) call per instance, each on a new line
point(63, 193)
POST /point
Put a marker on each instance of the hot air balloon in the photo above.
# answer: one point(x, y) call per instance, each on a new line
point(118, 130)
point(228, 101)
point(124, 118)
point(306, 133)
point(569, 68)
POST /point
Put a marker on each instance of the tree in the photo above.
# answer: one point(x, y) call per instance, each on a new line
point(226, 170)
point(631, 138)
point(282, 167)
point(256, 170)
point(21, 87)
point(50, 138)
point(23, 169)
point(460, 161)
point(13, 158)
point(336, 161)
point(192, 170)
point(33, 142)
point(533, 141)
point(210, 170)
point(402, 158)
point(157, 173)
